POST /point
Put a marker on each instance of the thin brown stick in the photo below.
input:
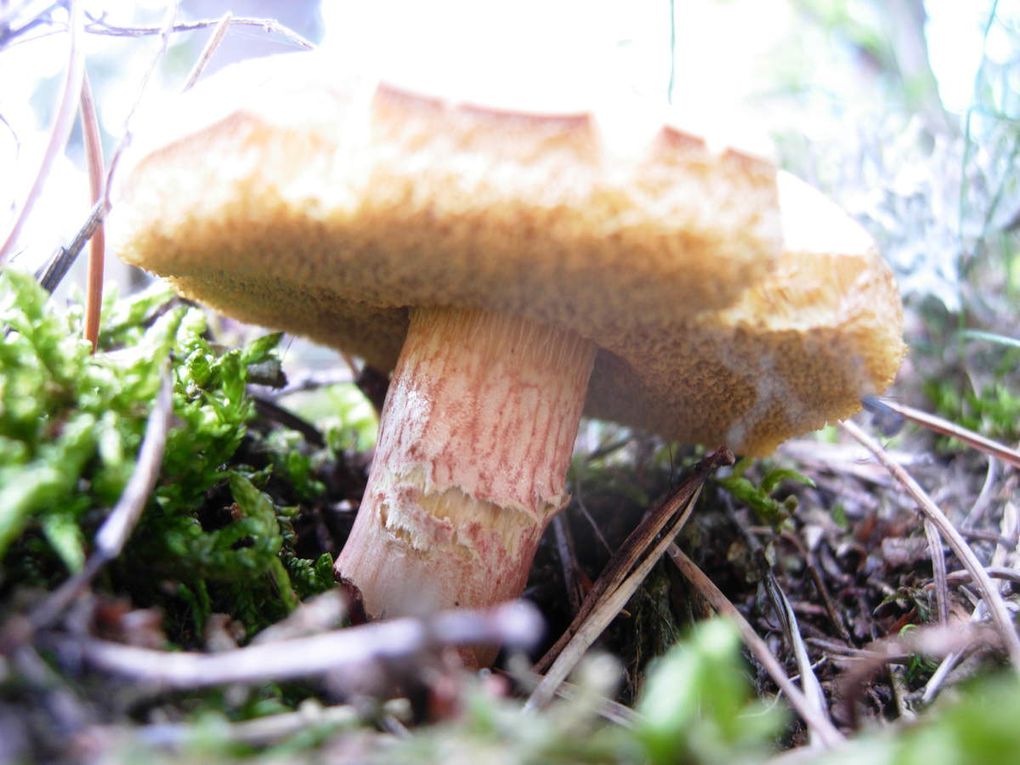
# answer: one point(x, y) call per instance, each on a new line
point(635, 546)
point(602, 613)
point(818, 723)
point(97, 245)
point(960, 433)
point(568, 562)
point(931, 511)
point(60, 130)
point(996, 572)
point(219, 32)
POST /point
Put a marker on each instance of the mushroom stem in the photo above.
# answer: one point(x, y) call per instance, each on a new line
point(474, 445)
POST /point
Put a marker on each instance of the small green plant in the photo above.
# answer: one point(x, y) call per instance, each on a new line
point(767, 508)
point(71, 424)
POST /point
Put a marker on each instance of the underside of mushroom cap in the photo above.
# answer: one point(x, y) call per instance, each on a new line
point(326, 208)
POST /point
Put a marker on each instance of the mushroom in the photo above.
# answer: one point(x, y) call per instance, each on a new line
point(514, 269)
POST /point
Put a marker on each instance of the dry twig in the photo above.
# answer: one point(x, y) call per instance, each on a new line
point(516, 625)
point(931, 511)
point(211, 45)
point(50, 275)
point(97, 25)
point(947, 428)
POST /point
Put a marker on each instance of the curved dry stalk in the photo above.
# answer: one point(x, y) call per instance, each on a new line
point(636, 545)
point(817, 722)
point(97, 246)
point(931, 511)
point(812, 689)
point(605, 610)
point(219, 32)
point(960, 433)
point(938, 565)
point(60, 130)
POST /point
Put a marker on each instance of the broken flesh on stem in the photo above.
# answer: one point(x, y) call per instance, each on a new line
point(474, 444)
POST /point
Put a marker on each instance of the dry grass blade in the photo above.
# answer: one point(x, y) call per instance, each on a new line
point(938, 564)
point(219, 32)
point(606, 608)
point(97, 247)
point(60, 130)
point(791, 630)
point(932, 512)
point(516, 625)
point(947, 428)
point(819, 724)
point(634, 548)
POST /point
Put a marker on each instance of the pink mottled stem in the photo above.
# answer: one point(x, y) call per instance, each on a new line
point(474, 445)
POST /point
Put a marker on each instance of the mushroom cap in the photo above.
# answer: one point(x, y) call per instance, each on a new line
point(730, 303)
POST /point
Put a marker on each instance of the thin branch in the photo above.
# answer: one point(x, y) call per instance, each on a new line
point(164, 31)
point(947, 428)
point(50, 275)
point(97, 247)
point(996, 572)
point(98, 26)
point(211, 46)
point(932, 512)
point(516, 625)
point(808, 557)
point(818, 723)
point(60, 130)
point(310, 381)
